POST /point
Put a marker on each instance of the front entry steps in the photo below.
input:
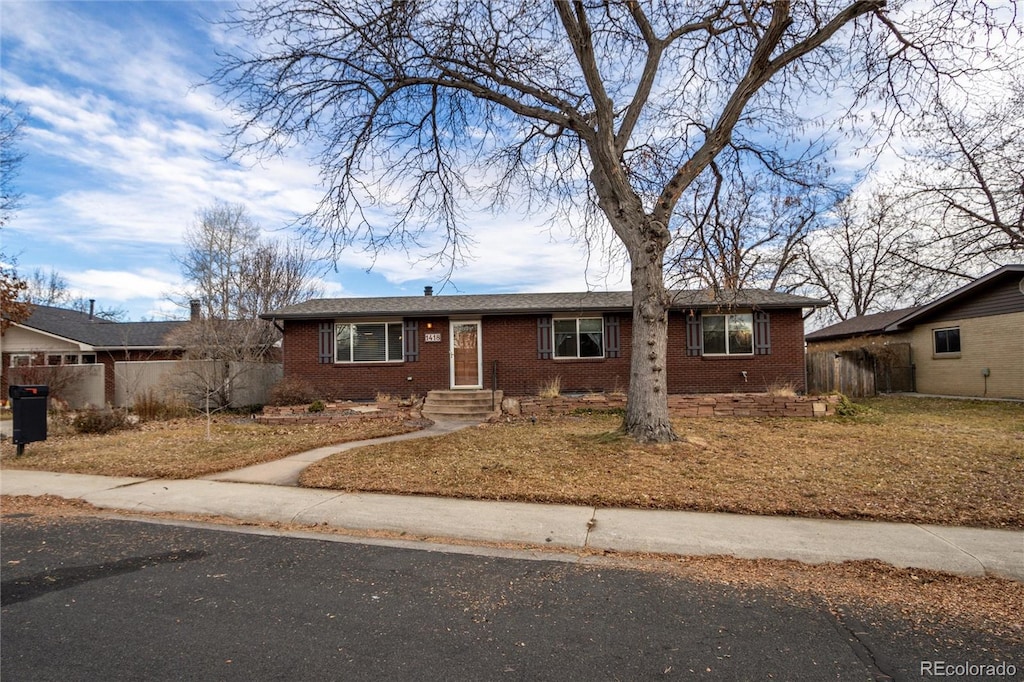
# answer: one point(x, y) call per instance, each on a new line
point(462, 405)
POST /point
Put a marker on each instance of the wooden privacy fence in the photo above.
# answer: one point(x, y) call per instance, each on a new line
point(860, 372)
point(850, 372)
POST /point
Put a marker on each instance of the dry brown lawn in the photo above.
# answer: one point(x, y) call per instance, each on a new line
point(180, 448)
point(916, 460)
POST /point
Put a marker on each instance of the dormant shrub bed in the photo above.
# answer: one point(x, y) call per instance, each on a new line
point(936, 461)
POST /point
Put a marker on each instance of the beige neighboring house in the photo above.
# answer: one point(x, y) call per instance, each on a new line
point(75, 352)
point(969, 342)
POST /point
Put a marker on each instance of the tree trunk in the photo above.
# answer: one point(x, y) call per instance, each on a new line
point(647, 418)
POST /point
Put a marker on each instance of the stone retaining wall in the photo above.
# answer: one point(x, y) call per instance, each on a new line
point(701, 405)
point(338, 412)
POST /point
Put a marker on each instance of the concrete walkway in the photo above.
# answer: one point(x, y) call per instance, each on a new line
point(964, 551)
point(286, 471)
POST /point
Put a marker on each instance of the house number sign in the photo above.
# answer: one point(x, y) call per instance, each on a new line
point(432, 338)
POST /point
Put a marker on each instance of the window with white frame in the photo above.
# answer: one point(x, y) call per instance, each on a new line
point(728, 334)
point(21, 360)
point(368, 342)
point(947, 341)
point(581, 337)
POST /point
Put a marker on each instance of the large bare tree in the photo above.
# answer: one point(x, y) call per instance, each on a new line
point(610, 110)
point(235, 272)
point(965, 183)
point(12, 121)
point(746, 230)
point(857, 259)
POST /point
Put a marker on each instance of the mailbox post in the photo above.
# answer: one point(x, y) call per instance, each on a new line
point(28, 408)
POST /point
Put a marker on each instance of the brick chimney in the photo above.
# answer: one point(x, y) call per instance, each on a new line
point(428, 291)
point(195, 313)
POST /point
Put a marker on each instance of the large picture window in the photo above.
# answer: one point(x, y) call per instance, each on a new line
point(947, 340)
point(368, 342)
point(579, 338)
point(728, 334)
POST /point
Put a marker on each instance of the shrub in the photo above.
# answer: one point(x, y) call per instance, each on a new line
point(781, 389)
point(100, 421)
point(149, 407)
point(552, 389)
point(291, 392)
point(847, 408)
point(316, 406)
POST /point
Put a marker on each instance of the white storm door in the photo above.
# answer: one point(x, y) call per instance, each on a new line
point(466, 354)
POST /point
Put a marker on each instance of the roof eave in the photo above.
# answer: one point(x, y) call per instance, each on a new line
point(908, 320)
point(319, 315)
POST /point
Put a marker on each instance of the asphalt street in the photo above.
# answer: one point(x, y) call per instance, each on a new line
point(110, 599)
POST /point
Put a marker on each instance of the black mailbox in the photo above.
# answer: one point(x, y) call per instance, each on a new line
point(28, 407)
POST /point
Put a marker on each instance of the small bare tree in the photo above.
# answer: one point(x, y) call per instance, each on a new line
point(234, 275)
point(13, 308)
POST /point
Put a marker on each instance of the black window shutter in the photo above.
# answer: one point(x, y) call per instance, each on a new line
point(693, 334)
point(611, 336)
point(326, 343)
point(544, 338)
point(411, 340)
point(762, 333)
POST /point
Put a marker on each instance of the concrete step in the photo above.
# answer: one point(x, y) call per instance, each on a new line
point(463, 405)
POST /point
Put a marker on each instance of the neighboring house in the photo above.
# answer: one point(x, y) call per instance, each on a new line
point(76, 342)
point(967, 343)
point(857, 332)
point(356, 348)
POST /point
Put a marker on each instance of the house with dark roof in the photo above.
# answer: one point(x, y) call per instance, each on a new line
point(357, 348)
point(83, 346)
point(858, 329)
point(969, 342)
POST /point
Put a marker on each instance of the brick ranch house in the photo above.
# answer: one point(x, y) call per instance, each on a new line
point(357, 348)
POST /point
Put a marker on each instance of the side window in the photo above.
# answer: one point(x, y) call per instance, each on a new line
point(947, 340)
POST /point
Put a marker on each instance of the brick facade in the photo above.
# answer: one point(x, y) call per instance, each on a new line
point(510, 349)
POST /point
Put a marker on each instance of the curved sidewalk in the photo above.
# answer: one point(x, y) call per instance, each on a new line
point(964, 551)
point(286, 471)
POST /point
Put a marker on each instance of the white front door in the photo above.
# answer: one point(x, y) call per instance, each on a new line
point(466, 355)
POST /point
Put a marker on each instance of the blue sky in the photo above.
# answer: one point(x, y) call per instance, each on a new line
point(124, 144)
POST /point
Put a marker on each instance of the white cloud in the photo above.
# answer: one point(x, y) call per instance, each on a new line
point(144, 290)
point(511, 253)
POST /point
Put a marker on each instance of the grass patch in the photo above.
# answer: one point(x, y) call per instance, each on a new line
point(180, 449)
point(947, 462)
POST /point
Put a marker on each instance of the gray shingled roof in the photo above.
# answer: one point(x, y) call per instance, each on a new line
point(97, 332)
point(512, 304)
point(859, 326)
